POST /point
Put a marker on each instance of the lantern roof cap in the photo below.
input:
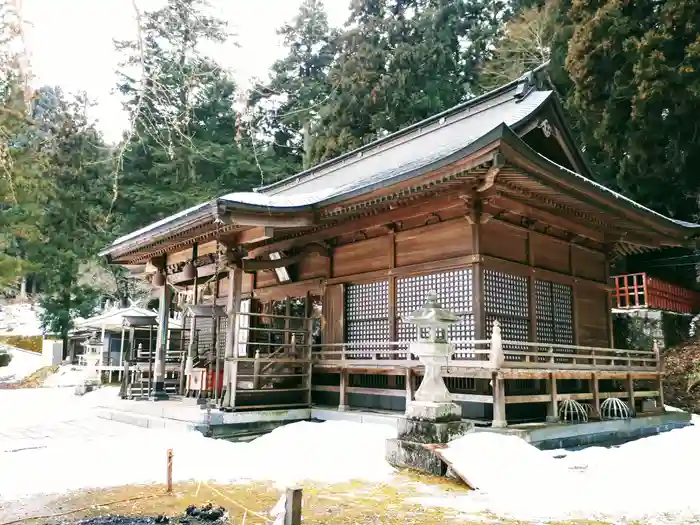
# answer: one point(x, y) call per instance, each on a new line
point(432, 314)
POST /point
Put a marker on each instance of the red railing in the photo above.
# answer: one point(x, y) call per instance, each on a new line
point(638, 290)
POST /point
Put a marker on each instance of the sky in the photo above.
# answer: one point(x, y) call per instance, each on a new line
point(70, 43)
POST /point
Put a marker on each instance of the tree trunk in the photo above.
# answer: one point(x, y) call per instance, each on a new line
point(71, 352)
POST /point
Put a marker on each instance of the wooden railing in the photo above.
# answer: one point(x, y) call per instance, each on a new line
point(490, 354)
point(638, 290)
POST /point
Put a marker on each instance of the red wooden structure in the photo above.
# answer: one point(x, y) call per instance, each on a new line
point(638, 290)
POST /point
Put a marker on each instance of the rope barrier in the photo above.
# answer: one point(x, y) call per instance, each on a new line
point(239, 505)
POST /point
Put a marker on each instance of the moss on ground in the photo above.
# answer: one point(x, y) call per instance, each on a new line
point(346, 503)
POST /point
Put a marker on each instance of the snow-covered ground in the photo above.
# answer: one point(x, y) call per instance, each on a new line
point(20, 319)
point(23, 364)
point(649, 480)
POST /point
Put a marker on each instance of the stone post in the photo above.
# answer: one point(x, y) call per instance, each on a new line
point(431, 418)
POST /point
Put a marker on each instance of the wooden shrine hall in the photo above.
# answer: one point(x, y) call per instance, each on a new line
point(296, 292)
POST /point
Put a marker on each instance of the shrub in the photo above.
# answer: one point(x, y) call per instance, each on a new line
point(5, 358)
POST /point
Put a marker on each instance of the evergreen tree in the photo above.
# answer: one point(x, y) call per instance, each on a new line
point(186, 144)
point(76, 169)
point(22, 187)
point(288, 106)
point(635, 68)
point(402, 61)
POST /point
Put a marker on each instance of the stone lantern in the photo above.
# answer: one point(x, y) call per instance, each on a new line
point(433, 353)
point(432, 418)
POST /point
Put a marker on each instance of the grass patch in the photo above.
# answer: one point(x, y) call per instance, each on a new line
point(33, 343)
point(346, 503)
point(34, 380)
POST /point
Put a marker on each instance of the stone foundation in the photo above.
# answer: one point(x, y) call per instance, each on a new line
point(426, 423)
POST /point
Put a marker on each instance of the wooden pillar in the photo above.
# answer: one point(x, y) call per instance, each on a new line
point(235, 287)
point(499, 402)
point(392, 293)
point(162, 342)
point(477, 269)
point(553, 408)
point(308, 353)
point(343, 399)
point(121, 354)
point(292, 507)
point(409, 386)
point(630, 393)
point(660, 377)
point(596, 393)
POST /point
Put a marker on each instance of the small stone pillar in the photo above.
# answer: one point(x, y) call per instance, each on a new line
point(432, 418)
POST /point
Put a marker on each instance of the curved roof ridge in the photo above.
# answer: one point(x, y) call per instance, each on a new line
point(524, 78)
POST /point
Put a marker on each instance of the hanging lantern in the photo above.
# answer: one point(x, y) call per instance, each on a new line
point(189, 271)
point(158, 279)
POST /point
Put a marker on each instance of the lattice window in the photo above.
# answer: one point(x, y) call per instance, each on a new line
point(554, 314)
point(506, 299)
point(367, 314)
point(505, 295)
point(454, 290)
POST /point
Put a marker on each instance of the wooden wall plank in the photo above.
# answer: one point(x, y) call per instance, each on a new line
point(434, 242)
point(589, 264)
point(498, 239)
point(591, 306)
point(551, 254)
point(333, 323)
point(362, 256)
point(265, 278)
point(314, 265)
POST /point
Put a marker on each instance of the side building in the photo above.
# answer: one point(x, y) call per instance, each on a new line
point(490, 204)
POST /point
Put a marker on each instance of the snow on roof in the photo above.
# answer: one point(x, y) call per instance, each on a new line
point(619, 196)
point(424, 145)
point(113, 319)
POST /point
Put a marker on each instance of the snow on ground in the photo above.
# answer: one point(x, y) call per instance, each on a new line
point(20, 319)
point(67, 375)
point(23, 364)
point(76, 450)
point(648, 480)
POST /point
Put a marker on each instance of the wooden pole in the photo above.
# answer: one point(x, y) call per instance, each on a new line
point(596, 393)
point(292, 508)
point(630, 392)
point(553, 409)
point(343, 395)
point(169, 471)
point(499, 402)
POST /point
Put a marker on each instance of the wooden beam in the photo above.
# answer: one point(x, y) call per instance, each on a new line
point(253, 235)
point(278, 221)
point(352, 225)
point(412, 269)
point(532, 212)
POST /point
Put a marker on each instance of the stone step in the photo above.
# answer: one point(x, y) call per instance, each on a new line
point(148, 421)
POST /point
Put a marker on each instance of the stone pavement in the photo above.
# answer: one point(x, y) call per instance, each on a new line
point(79, 430)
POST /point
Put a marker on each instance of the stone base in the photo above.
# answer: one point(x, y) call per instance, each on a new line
point(421, 431)
point(435, 412)
point(408, 454)
point(158, 393)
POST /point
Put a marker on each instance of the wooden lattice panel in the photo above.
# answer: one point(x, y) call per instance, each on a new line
point(506, 298)
point(505, 295)
point(454, 291)
point(367, 314)
point(554, 314)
